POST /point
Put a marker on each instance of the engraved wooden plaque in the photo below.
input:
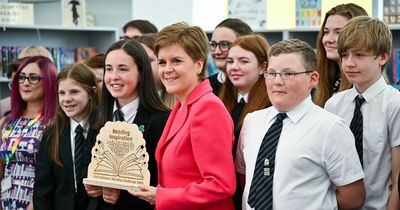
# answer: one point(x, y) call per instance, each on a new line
point(119, 158)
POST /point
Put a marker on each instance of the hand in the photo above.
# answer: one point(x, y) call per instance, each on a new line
point(93, 191)
point(111, 195)
point(148, 193)
point(30, 206)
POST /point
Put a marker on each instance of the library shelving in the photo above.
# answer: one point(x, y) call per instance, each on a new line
point(55, 36)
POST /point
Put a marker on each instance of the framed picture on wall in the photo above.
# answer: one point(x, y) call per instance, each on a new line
point(73, 12)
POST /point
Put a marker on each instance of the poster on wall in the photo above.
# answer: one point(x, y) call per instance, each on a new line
point(73, 13)
point(252, 12)
point(308, 13)
point(16, 14)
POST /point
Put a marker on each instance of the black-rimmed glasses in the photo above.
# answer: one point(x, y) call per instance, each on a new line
point(223, 45)
point(283, 75)
point(33, 79)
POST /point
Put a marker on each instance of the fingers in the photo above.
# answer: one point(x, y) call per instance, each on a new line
point(147, 193)
point(110, 195)
point(93, 191)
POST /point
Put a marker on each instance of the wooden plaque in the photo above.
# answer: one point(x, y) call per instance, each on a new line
point(119, 158)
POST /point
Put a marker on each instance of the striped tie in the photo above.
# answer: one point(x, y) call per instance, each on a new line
point(260, 196)
point(79, 140)
point(356, 126)
point(118, 115)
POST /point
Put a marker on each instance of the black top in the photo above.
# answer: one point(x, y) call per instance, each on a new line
point(153, 123)
point(215, 84)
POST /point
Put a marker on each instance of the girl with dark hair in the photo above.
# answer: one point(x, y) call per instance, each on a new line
point(64, 153)
point(223, 35)
point(130, 95)
point(33, 107)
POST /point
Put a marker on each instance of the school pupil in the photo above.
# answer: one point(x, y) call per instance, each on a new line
point(33, 106)
point(244, 91)
point(65, 151)
point(371, 108)
point(129, 94)
point(332, 79)
point(294, 154)
point(223, 35)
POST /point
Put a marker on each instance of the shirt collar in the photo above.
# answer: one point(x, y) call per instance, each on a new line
point(371, 92)
point(296, 113)
point(245, 97)
point(128, 110)
point(221, 77)
point(75, 124)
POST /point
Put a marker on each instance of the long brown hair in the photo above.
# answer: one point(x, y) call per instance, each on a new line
point(83, 75)
point(329, 69)
point(258, 97)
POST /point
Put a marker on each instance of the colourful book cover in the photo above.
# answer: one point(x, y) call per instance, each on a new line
point(308, 13)
point(83, 53)
point(67, 57)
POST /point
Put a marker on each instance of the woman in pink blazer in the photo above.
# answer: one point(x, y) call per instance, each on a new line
point(194, 158)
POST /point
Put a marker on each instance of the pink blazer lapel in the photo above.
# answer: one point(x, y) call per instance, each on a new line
point(175, 122)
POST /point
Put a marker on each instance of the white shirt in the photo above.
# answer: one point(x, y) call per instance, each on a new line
point(221, 77)
point(315, 153)
point(381, 132)
point(73, 125)
point(245, 97)
point(128, 110)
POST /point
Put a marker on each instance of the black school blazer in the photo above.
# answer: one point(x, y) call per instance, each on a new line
point(153, 123)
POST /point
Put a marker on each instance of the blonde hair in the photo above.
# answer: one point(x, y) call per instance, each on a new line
point(366, 34)
point(35, 50)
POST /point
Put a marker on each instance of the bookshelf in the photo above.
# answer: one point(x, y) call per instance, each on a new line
point(55, 36)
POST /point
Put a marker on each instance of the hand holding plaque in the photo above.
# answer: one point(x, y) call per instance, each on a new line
point(119, 158)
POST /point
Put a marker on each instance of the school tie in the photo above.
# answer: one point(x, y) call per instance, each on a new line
point(260, 196)
point(79, 140)
point(118, 115)
point(237, 111)
point(356, 126)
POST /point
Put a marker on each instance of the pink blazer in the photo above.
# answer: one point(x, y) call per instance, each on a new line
point(194, 155)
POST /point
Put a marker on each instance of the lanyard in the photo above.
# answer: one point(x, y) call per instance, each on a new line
point(8, 155)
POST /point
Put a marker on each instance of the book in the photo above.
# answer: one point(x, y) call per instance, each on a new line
point(83, 53)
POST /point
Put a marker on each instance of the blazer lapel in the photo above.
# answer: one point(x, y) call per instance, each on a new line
point(66, 153)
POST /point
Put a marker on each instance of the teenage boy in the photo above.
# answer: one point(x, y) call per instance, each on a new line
point(371, 108)
point(295, 155)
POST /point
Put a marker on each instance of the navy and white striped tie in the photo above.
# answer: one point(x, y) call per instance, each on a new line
point(260, 196)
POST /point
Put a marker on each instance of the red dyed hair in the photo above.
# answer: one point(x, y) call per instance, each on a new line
point(49, 74)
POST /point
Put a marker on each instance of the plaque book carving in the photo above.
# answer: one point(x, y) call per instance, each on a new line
point(119, 157)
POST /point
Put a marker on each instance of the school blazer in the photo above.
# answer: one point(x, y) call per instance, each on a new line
point(54, 187)
point(194, 155)
point(153, 123)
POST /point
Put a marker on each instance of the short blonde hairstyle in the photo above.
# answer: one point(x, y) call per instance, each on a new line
point(191, 38)
point(35, 50)
point(306, 52)
point(366, 34)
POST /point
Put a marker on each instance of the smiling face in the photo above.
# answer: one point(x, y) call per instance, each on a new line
point(243, 69)
point(221, 34)
point(332, 28)
point(31, 93)
point(73, 99)
point(287, 94)
point(121, 76)
point(178, 71)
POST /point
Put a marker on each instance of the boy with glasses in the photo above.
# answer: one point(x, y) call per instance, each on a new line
point(295, 154)
point(371, 108)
